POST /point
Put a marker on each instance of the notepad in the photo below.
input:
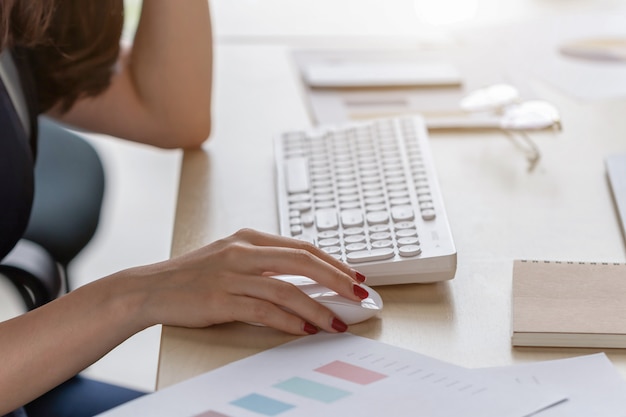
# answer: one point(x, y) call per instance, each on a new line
point(569, 304)
point(380, 74)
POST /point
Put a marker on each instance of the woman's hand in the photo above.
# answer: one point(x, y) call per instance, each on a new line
point(229, 280)
point(225, 281)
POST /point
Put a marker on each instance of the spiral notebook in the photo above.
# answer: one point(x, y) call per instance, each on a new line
point(569, 304)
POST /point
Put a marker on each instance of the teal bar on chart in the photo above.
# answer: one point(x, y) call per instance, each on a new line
point(311, 389)
point(262, 405)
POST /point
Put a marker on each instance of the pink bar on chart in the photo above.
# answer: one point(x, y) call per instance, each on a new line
point(351, 372)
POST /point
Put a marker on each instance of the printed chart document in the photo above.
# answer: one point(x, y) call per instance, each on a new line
point(342, 375)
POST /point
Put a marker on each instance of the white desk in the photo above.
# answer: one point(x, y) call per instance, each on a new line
point(498, 212)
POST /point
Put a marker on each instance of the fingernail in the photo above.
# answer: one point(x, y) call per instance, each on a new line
point(309, 328)
point(339, 325)
point(359, 276)
point(360, 292)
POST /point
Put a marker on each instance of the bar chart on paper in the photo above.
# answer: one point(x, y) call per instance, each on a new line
point(339, 375)
point(309, 389)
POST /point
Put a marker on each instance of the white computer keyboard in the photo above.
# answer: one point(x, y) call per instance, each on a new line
point(368, 194)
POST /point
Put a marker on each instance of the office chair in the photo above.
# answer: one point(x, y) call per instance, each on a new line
point(37, 276)
point(69, 189)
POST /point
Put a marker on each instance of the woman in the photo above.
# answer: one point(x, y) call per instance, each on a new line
point(66, 53)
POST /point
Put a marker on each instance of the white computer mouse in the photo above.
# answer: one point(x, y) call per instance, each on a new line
point(350, 312)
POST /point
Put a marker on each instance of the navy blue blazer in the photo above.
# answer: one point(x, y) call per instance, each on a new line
point(17, 156)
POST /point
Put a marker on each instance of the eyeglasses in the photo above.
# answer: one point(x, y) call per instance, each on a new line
point(499, 107)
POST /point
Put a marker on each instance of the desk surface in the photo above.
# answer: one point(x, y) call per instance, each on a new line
point(497, 210)
point(256, 21)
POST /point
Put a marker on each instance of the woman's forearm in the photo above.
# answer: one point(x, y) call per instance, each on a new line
point(47, 346)
point(160, 94)
point(171, 64)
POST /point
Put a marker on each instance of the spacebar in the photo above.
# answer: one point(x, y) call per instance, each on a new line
point(370, 255)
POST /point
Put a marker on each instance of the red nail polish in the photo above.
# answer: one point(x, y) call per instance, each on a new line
point(359, 276)
point(339, 325)
point(360, 292)
point(309, 328)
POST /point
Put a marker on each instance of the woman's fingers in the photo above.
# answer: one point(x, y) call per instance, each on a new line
point(266, 239)
point(291, 299)
point(270, 254)
point(255, 310)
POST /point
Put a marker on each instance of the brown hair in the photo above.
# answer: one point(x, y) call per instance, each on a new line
point(72, 45)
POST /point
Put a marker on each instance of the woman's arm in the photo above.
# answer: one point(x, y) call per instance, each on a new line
point(222, 282)
point(161, 92)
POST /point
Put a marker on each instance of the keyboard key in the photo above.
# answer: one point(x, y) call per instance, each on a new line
point(380, 236)
point(326, 219)
point(355, 247)
point(351, 218)
point(302, 206)
point(404, 225)
point(382, 244)
point(377, 217)
point(327, 234)
point(333, 241)
point(307, 220)
point(401, 233)
point(402, 213)
point(406, 241)
point(295, 230)
point(428, 214)
point(297, 175)
point(370, 255)
point(354, 231)
point(410, 250)
point(332, 250)
point(354, 239)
